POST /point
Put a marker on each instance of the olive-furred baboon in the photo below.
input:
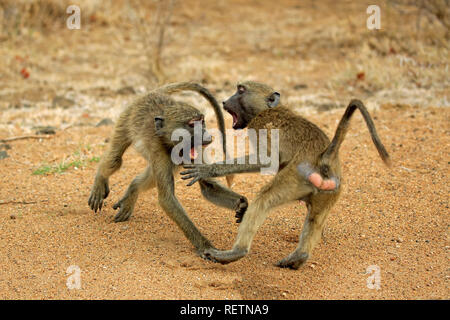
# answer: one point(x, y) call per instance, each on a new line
point(309, 168)
point(147, 124)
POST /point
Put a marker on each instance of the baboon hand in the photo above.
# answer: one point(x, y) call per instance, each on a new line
point(197, 172)
point(241, 207)
point(126, 206)
point(225, 257)
point(99, 193)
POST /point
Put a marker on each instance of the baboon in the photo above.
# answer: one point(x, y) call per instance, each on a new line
point(309, 168)
point(147, 124)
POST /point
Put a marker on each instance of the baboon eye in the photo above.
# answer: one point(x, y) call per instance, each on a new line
point(241, 89)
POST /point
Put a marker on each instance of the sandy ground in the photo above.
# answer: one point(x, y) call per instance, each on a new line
point(395, 219)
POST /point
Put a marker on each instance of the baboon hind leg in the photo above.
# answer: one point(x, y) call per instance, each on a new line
point(318, 210)
point(142, 182)
point(110, 163)
point(285, 187)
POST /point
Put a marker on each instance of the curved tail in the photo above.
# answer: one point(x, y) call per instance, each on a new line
point(333, 148)
point(192, 86)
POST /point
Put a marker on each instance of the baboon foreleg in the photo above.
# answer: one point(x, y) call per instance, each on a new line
point(173, 208)
point(224, 197)
point(110, 163)
point(142, 182)
point(99, 192)
point(197, 172)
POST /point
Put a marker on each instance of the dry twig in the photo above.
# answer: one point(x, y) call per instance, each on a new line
point(154, 47)
point(22, 202)
point(25, 137)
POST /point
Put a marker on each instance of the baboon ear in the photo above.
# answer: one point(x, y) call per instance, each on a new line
point(159, 123)
point(273, 100)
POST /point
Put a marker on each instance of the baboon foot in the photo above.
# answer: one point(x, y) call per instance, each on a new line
point(225, 257)
point(294, 260)
point(100, 192)
point(126, 206)
point(240, 208)
point(202, 252)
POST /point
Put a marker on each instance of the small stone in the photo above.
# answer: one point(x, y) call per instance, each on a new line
point(126, 90)
point(300, 86)
point(19, 105)
point(105, 122)
point(45, 130)
point(327, 106)
point(60, 101)
point(284, 294)
point(12, 217)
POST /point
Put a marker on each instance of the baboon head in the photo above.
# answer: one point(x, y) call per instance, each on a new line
point(189, 120)
point(250, 99)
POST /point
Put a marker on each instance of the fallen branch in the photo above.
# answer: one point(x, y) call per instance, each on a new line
point(68, 127)
point(22, 202)
point(24, 137)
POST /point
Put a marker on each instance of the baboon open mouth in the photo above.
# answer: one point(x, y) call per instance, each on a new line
point(235, 118)
point(194, 153)
point(194, 150)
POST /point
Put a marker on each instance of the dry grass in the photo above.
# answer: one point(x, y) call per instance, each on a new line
point(153, 34)
point(321, 47)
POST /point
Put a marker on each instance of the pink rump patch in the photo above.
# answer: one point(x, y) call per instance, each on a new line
point(315, 179)
point(328, 185)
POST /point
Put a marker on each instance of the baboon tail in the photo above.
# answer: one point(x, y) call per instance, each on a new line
point(192, 86)
point(341, 131)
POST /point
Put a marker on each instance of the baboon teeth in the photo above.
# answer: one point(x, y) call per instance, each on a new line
point(235, 117)
point(234, 120)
